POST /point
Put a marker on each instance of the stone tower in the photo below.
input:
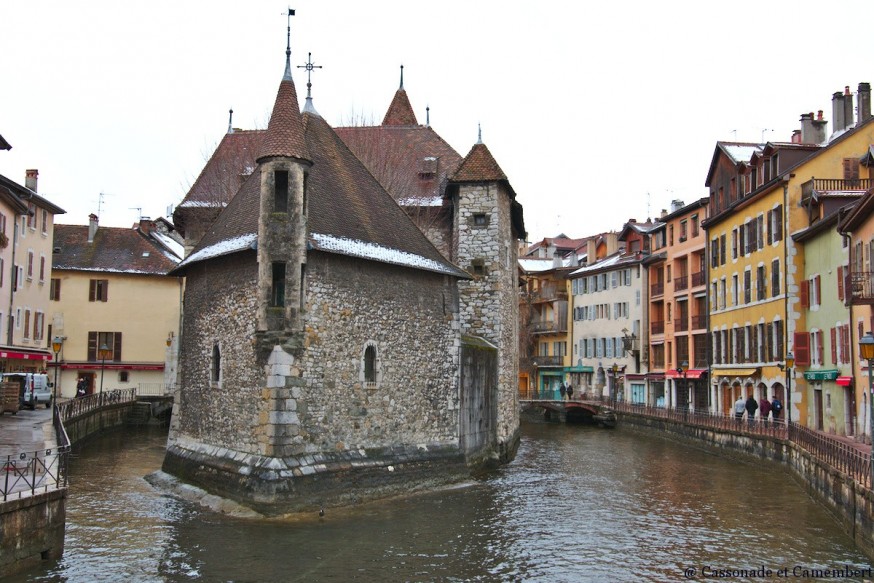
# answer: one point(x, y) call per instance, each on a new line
point(487, 223)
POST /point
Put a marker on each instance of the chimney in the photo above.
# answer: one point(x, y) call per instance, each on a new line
point(92, 227)
point(864, 99)
point(146, 225)
point(838, 111)
point(806, 128)
point(796, 136)
point(676, 205)
point(820, 126)
point(556, 260)
point(848, 107)
point(30, 177)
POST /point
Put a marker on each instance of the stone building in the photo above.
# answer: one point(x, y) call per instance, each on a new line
point(330, 352)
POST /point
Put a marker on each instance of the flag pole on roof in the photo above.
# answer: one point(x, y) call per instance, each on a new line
point(287, 75)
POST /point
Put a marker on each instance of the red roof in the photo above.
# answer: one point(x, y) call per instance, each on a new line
point(400, 112)
point(479, 166)
point(285, 129)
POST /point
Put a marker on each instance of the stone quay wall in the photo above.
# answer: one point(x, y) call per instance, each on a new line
point(851, 503)
point(32, 530)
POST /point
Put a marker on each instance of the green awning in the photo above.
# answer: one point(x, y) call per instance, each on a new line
point(580, 369)
point(821, 375)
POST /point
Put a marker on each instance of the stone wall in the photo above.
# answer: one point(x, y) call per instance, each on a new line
point(32, 530)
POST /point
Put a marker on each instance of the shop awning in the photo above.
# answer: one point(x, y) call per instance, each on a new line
point(25, 354)
point(581, 369)
point(821, 375)
point(692, 373)
point(844, 381)
point(656, 376)
point(735, 372)
point(114, 366)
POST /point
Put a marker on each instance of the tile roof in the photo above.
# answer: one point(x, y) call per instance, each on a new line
point(285, 129)
point(345, 204)
point(221, 177)
point(400, 112)
point(479, 166)
point(114, 250)
point(399, 159)
point(4, 145)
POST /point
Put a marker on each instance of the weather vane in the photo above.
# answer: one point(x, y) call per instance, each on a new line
point(309, 66)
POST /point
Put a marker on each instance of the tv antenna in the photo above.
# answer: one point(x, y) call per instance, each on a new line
point(100, 198)
point(139, 210)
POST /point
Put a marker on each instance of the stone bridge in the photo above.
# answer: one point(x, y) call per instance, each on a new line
point(575, 410)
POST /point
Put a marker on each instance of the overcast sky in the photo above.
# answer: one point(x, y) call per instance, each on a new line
point(597, 112)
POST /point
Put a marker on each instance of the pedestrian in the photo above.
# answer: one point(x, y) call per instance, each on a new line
point(562, 389)
point(80, 387)
point(776, 407)
point(751, 407)
point(764, 408)
point(739, 407)
point(570, 391)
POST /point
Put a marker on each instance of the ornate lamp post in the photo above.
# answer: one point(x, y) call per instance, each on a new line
point(866, 350)
point(790, 362)
point(682, 370)
point(57, 343)
point(103, 353)
point(615, 369)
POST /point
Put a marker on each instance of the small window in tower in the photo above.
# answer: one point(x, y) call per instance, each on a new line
point(277, 286)
point(280, 191)
point(480, 220)
point(216, 365)
point(370, 364)
point(478, 267)
point(306, 179)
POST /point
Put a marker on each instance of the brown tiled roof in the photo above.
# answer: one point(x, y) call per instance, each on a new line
point(400, 112)
point(114, 250)
point(396, 156)
point(479, 166)
point(221, 177)
point(344, 201)
point(285, 129)
point(4, 145)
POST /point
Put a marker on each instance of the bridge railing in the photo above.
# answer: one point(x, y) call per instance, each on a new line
point(837, 454)
point(75, 407)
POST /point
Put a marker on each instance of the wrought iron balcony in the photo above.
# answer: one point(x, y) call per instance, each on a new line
point(699, 322)
point(657, 327)
point(681, 325)
point(549, 293)
point(698, 279)
point(541, 361)
point(681, 283)
point(862, 287)
point(548, 326)
point(657, 289)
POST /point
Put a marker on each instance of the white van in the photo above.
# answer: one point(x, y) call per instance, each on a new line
point(35, 388)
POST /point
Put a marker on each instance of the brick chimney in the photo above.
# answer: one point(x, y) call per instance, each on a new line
point(146, 225)
point(30, 177)
point(864, 99)
point(92, 227)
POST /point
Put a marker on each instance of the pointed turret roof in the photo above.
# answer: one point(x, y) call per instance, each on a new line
point(400, 112)
point(285, 135)
point(479, 166)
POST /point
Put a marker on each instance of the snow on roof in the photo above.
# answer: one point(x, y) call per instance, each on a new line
point(608, 262)
point(740, 153)
point(536, 265)
point(365, 250)
point(421, 201)
point(202, 204)
point(222, 248)
point(171, 244)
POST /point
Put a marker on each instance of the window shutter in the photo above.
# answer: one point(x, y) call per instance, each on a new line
point(760, 235)
point(834, 338)
point(770, 227)
point(817, 282)
point(92, 290)
point(802, 348)
point(805, 293)
point(116, 349)
point(92, 345)
point(841, 282)
point(778, 223)
point(845, 343)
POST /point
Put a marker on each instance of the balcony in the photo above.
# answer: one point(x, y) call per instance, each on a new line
point(698, 279)
point(549, 293)
point(681, 283)
point(699, 322)
point(548, 327)
point(862, 287)
point(681, 325)
point(816, 186)
point(657, 289)
point(541, 361)
point(657, 327)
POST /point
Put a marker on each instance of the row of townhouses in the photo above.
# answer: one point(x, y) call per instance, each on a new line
point(84, 302)
point(762, 288)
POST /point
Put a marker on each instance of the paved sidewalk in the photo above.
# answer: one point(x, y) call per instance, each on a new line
point(26, 431)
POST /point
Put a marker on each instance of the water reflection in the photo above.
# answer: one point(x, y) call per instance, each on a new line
point(578, 504)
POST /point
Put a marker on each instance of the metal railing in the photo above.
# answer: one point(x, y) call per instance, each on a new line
point(755, 426)
point(698, 279)
point(837, 454)
point(78, 406)
point(155, 389)
point(34, 472)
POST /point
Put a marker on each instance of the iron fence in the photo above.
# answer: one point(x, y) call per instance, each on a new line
point(841, 456)
point(75, 407)
point(34, 472)
point(155, 389)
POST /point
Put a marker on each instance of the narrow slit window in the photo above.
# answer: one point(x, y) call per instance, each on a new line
point(280, 191)
point(216, 368)
point(370, 364)
point(277, 290)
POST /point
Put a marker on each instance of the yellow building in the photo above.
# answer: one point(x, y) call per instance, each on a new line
point(114, 306)
point(755, 269)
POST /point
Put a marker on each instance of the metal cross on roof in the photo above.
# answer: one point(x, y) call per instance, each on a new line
point(309, 66)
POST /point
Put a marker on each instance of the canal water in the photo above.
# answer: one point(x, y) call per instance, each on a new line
point(578, 504)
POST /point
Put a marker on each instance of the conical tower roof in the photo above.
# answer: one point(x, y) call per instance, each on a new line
point(285, 135)
point(479, 166)
point(400, 112)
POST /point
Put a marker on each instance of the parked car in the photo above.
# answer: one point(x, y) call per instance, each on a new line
point(35, 388)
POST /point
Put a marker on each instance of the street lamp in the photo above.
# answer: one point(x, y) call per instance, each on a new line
point(682, 370)
point(615, 369)
point(103, 353)
point(790, 362)
point(866, 349)
point(57, 343)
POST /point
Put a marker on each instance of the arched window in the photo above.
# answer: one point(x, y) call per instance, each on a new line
point(370, 364)
point(216, 369)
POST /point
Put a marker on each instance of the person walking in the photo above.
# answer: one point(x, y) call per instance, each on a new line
point(751, 407)
point(776, 407)
point(764, 408)
point(562, 390)
point(739, 407)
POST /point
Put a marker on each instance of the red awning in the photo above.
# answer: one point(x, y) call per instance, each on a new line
point(114, 366)
point(692, 373)
point(25, 354)
point(844, 381)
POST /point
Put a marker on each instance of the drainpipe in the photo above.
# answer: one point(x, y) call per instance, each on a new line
point(786, 291)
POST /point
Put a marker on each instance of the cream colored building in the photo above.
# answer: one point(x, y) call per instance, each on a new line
point(111, 291)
